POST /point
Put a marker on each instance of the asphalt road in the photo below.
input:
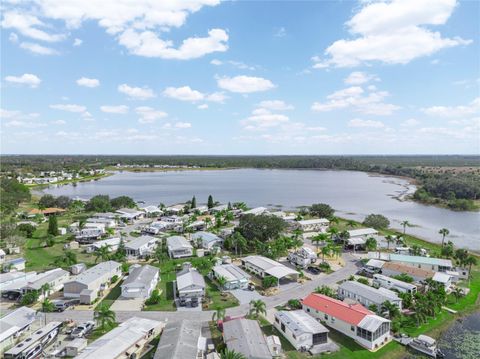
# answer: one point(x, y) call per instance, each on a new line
point(294, 292)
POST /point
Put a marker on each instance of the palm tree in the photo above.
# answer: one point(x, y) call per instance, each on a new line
point(219, 314)
point(230, 354)
point(321, 237)
point(326, 251)
point(333, 231)
point(334, 219)
point(470, 261)
point(405, 224)
point(391, 309)
point(69, 258)
point(336, 250)
point(257, 307)
point(444, 232)
point(457, 293)
point(104, 316)
point(351, 224)
point(389, 240)
point(45, 290)
point(102, 253)
point(47, 306)
point(221, 282)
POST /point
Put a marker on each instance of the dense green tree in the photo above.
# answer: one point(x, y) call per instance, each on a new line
point(376, 221)
point(371, 244)
point(321, 210)
point(52, 225)
point(261, 227)
point(30, 297)
point(210, 202)
point(269, 281)
point(26, 229)
point(12, 194)
point(63, 202)
point(102, 253)
point(47, 201)
point(122, 202)
point(99, 203)
point(257, 307)
point(47, 306)
point(193, 202)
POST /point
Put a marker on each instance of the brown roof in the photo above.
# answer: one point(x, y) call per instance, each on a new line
point(412, 271)
point(46, 210)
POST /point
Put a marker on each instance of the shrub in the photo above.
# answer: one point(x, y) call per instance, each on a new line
point(114, 279)
point(363, 281)
point(269, 281)
point(154, 298)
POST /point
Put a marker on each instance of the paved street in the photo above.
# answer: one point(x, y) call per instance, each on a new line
point(299, 291)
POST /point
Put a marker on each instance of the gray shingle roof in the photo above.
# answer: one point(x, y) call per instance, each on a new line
point(179, 340)
point(143, 275)
point(245, 336)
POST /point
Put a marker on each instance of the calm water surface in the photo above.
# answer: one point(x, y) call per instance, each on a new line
point(353, 194)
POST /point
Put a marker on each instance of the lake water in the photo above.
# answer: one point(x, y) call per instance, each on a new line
point(353, 195)
point(462, 339)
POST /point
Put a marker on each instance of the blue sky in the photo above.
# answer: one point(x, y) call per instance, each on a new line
point(240, 77)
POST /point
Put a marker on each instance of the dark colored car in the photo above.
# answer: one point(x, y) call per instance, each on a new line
point(313, 270)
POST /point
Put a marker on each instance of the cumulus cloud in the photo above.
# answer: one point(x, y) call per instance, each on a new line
point(119, 110)
point(139, 93)
point(356, 98)
point(148, 44)
point(69, 108)
point(77, 42)
point(26, 79)
point(185, 93)
point(203, 106)
point(365, 123)
point(393, 32)
point(276, 105)
point(149, 114)
point(28, 25)
point(359, 78)
point(262, 119)
point(86, 82)
point(38, 49)
point(454, 111)
point(216, 62)
point(411, 122)
point(244, 84)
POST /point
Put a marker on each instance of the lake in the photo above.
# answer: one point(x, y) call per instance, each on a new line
point(353, 195)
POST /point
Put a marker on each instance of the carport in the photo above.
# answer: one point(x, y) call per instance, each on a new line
point(284, 273)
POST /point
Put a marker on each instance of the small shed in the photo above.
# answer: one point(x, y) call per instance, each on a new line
point(73, 348)
point(77, 268)
point(87, 296)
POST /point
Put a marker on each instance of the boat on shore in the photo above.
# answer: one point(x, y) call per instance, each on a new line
point(426, 345)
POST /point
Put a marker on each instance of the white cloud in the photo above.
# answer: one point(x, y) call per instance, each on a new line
point(202, 106)
point(262, 119)
point(86, 82)
point(365, 123)
point(28, 25)
point(244, 84)
point(59, 122)
point(69, 108)
point(359, 78)
point(25, 124)
point(276, 105)
point(281, 32)
point(139, 93)
point(216, 62)
point(38, 49)
point(411, 122)
point(77, 42)
point(148, 44)
point(183, 125)
point(119, 110)
point(184, 93)
point(149, 114)
point(26, 79)
point(454, 111)
point(371, 103)
point(392, 32)
point(18, 115)
point(13, 37)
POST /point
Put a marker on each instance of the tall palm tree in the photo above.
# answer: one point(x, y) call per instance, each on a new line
point(333, 231)
point(351, 224)
point(102, 253)
point(470, 261)
point(457, 293)
point(444, 232)
point(45, 289)
point(391, 309)
point(104, 316)
point(230, 354)
point(219, 314)
point(389, 239)
point(47, 306)
point(321, 237)
point(405, 224)
point(326, 251)
point(257, 307)
point(221, 282)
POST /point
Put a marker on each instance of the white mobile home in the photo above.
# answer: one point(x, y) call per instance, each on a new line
point(264, 267)
point(141, 247)
point(14, 324)
point(353, 320)
point(394, 284)
point(208, 240)
point(235, 277)
point(300, 329)
point(141, 282)
point(179, 247)
point(54, 279)
point(190, 286)
point(367, 295)
point(313, 225)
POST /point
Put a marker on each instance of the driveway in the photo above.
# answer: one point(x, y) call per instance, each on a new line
point(127, 304)
point(244, 296)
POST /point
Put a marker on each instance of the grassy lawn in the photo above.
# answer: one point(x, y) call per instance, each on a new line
point(219, 299)
point(166, 287)
point(112, 296)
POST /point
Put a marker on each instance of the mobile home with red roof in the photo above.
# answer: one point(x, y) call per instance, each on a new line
point(353, 320)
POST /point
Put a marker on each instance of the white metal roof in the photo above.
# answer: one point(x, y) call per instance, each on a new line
point(270, 266)
point(356, 241)
point(92, 274)
point(177, 242)
point(15, 321)
point(230, 272)
point(372, 322)
point(245, 336)
point(141, 276)
point(179, 340)
point(362, 232)
point(188, 277)
point(314, 221)
point(300, 322)
point(375, 263)
point(139, 242)
point(441, 277)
